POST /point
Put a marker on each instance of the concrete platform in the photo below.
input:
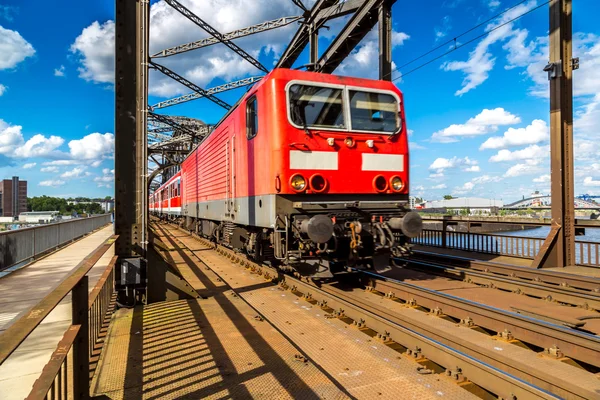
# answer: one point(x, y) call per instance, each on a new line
point(22, 289)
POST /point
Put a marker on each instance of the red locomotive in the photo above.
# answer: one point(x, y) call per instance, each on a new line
point(309, 172)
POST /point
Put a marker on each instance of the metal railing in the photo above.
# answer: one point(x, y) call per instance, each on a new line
point(25, 244)
point(67, 373)
point(586, 253)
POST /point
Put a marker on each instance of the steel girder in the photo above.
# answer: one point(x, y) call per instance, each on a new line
point(322, 11)
point(213, 90)
point(185, 82)
point(212, 31)
point(238, 33)
point(355, 30)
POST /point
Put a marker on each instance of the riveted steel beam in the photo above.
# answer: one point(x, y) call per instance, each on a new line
point(193, 86)
point(217, 89)
point(212, 31)
point(238, 33)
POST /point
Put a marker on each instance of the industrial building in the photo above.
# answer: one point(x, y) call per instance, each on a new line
point(13, 197)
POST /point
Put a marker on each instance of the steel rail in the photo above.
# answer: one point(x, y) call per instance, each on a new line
point(480, 372)
point(574, 344)
point(556, 278)
point(561, 294)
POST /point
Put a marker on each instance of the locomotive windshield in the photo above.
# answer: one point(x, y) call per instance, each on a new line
point(373, 111)
point(316, 106)
point(325, 107)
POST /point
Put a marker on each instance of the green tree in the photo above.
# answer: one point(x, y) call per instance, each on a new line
point(448, 197)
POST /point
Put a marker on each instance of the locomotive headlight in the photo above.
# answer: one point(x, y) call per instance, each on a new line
point(396, 184)
point(298, 183)
point(349, 142)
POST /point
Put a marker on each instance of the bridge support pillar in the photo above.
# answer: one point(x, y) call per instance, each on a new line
point(131, 105)
point(560, 244)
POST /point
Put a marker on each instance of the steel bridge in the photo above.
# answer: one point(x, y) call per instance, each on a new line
point(545, 202)
point(179, 298)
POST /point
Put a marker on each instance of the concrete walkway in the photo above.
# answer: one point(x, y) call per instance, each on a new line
point(22, 289)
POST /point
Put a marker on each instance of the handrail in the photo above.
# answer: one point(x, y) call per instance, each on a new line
point(70, 221)
point(580, 223)
point(15, 334)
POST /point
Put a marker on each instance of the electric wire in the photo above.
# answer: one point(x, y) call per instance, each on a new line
point(466, 43)
point(456, 47)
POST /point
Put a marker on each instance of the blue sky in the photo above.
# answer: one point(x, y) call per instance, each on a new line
point(478, 116)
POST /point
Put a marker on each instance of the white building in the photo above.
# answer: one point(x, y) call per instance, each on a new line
point(37, 217)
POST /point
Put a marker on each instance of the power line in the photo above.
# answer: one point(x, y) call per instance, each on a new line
point(467, 42)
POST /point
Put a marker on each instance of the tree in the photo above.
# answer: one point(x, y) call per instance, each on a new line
point(448, 197)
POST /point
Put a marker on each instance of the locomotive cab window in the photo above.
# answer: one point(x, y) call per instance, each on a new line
point(376, 112)
point(316, 106)
point(251, 118)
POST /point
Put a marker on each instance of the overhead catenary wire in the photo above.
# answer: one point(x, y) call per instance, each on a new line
point(453, 40)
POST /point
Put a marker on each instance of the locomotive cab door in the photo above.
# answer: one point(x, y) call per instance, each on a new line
point(230, 198)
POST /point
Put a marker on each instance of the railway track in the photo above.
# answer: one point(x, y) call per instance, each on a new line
point(457, 351)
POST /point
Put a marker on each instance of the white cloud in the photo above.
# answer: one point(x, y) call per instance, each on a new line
point(29, 165)
point(589, 181)
point(493, 4)
point(95, 45)
point(534, 133)
point(416, 146)
point(13, 48)
point(3, 89)
point(76, 172)
point(93, 146)
point(62, 162)
point(529, 153)
point(542, 179)
point(107, 179)
point(440, 186)
point(474, 168)
point(476, 69)
point(440, 164)
point(52, 183)
point(361, 61)
point(522, 169)
point(487, 121)
point(442, 31)
point(60, 71)
point(39, 146)
point(473, 183)
point(10, 138)
point(52, 169)
point(96, 48)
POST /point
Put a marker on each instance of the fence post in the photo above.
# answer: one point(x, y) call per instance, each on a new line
point(81, 360)
point(444, 228)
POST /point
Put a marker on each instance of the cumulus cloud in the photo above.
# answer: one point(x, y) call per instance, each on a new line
point(29, 165)
point(493, 4)
point(13, 48)
point(476, 69)
point(534, 133)
point(60, 71)
point(76, 172)
point(529, 153)
point(487, 121)
point(3, 89)
point(589, 181)
point(96, 48)
point(360, 62)
point(474, 168)
point(52, 183)
point(39, 146)
point(522, 169)
point(62, 162)
point(440, 186)
point(51, 169)
point(107, 179)
point(542, 179)
point(93, 146)
point(440, 165)
point(473, 183)
point(10, 138)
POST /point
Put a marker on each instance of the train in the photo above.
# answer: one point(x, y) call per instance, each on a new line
point(308, 172)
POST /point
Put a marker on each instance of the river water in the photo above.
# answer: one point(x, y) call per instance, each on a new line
point(591, 234)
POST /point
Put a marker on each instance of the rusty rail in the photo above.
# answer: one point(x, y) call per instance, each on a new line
point(77, 340)
point(587, 253)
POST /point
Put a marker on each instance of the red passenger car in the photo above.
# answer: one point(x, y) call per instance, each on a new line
point(308, 171)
